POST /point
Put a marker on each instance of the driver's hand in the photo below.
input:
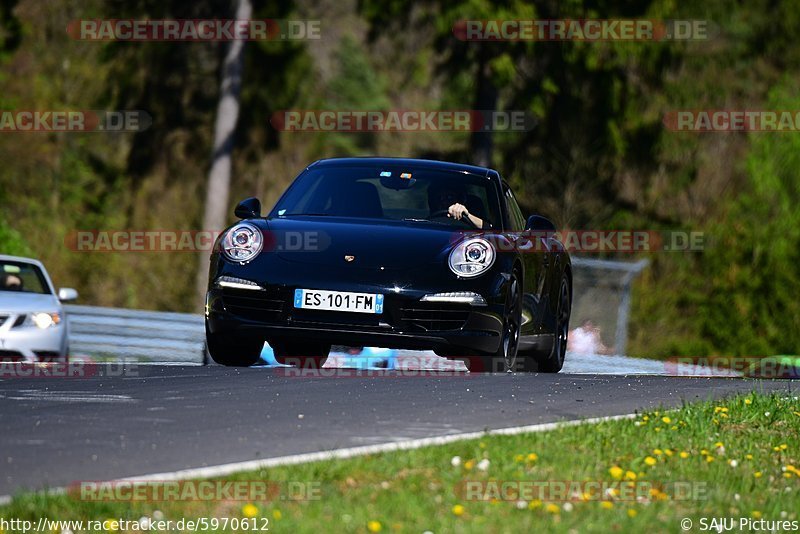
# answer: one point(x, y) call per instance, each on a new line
point(457, 211)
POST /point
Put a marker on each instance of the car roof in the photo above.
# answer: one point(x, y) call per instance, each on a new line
point(23, 260)
point(411, 162)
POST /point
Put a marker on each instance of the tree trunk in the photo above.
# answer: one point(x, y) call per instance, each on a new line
point(480, 142)
point(219, 177)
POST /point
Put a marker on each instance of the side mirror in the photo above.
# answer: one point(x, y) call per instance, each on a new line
point(67, 293)
point(537, 223)
point(249, 208)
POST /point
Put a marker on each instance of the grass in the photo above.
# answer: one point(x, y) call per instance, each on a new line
point(739, 457)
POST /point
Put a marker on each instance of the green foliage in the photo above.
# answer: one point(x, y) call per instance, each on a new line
point(11, 241)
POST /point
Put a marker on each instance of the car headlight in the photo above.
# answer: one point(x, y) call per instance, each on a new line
point(42, 320)
point(472, 257)
point(242, 243)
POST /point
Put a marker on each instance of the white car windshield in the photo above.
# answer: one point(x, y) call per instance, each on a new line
point(22, 277)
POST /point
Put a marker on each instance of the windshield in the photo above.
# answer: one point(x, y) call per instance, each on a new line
point(394, 193)
point(21, 277)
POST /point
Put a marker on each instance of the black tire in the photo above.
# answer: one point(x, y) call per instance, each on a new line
point(233, 351)
point(553, 361)
point(300, 353)
point(504, 360)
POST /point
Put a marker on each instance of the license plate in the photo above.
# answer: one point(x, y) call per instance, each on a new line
point(319, 299)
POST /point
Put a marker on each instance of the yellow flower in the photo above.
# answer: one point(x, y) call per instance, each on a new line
point(684, 454)
point(709, 459)
point(553, 508)
point(757, 474)
point(658, 452)
point(469, 464)
point(616, 472)
point(645, 418)
point(666, 420)
point(755, 514)
point(668, 452)
point(532, 457)
point(631, 512)
point(608, 505)
point(482, 445)
point(748, 456)
point(374, 526)
point(787, 475)
point(534, 504)
point(277, 515)
point(630, 475)
point(518, 458)
point(249, 510)
point(458, 510)
point(704, 452)
point(783, 446)
point(650, 460)
point(718, 444)
point(748, 401)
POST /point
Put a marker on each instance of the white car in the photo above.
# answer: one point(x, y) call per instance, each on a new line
point(33, 326)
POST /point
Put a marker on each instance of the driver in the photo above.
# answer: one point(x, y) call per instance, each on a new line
point(12, 282)
point(452, 199)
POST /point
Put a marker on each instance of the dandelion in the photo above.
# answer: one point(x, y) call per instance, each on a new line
point(553, 508)
point(748, 456)
point(469, 464)
point(668, 452)
point(757, 474)
point(482, 445)
point(532, 457)
point(374, 526)
point(518, 458)
point(631, 512)
point(534, 504)
point(630, 475)
point(755, 514)
point(455, 461)
point(709, 459)
point(684, 454)
point(458, 510)
point(704, 451)
point(650, 460)
point(658, 452)
point(783, 446)
point(748, 401)
point(666, 420)
point(249, 510)
point(787, 475)
point(608, 505)
point(483, 465)
point(616, 472)
point(277, 515)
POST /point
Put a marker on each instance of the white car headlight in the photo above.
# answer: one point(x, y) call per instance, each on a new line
point(242, 243)
point(472, 257)
point(42, 320)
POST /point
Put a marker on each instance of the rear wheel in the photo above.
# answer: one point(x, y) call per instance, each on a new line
point(233, 351)
point(301, 353)
point(554, 361)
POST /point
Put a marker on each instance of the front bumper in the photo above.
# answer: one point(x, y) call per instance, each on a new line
point(31, 343)
point(406, 321)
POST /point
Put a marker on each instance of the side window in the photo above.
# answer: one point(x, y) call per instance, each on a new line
point(515, 217)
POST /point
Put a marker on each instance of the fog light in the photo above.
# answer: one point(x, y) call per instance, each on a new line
point(461, 297)
point(237, 283)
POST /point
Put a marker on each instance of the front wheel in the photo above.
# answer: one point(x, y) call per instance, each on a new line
point(554, 361)
point(233, 351)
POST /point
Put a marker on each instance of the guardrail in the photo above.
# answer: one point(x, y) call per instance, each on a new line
point(117, 333)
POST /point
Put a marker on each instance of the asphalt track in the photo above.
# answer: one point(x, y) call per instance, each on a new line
point(156, 419)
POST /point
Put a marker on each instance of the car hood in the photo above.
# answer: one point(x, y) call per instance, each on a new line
point(21, 302)
point(327, 240)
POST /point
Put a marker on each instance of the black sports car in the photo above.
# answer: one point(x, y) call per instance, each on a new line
point(398, 253)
